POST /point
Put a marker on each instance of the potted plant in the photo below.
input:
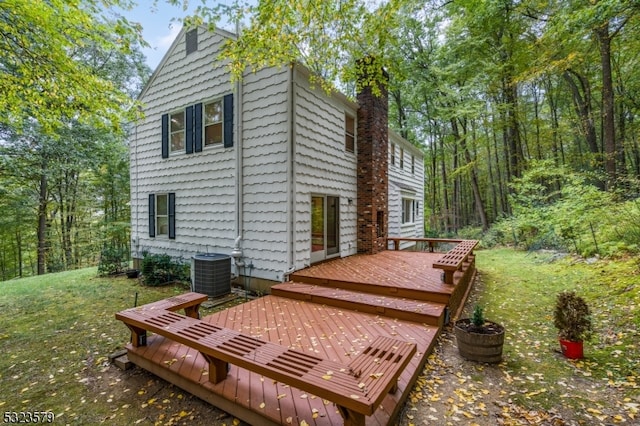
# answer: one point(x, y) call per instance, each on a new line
point(572, 318)
point(479, 339)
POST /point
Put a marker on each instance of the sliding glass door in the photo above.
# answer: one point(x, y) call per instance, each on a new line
point(325, 227)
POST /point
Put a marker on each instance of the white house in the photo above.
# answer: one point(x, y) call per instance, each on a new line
point(270, 165)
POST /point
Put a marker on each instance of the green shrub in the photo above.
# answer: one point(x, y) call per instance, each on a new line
point(159, 269)
point(113, 260)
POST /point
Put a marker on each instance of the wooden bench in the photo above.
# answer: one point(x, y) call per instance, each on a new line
point(190, 302)
point(454, 259)
point(357, 388)
point(432, 242)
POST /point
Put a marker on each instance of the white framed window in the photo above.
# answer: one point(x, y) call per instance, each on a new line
point(162, 215)
point(408, 210)
point(176, 131)
point(349, 133)
point(392, 151)
point(213, 123)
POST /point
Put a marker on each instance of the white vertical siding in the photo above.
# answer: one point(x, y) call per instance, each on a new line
point(322, 166)
point(403, 183)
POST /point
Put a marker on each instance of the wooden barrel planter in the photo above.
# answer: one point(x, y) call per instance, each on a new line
point(481, 345)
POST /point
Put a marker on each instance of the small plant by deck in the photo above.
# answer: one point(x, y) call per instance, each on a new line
point(477, 319)
point(479, 339)
point(572, 317)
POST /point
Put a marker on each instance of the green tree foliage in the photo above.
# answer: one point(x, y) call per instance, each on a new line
point(63, 157)
point(44, 74)
point(331, 38)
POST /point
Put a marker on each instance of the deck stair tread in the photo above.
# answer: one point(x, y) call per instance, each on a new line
point(390, 306)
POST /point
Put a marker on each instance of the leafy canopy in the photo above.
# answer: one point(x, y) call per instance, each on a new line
point(43, 75)
point(337, 40)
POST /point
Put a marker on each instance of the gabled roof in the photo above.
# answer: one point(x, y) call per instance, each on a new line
point(172, 48)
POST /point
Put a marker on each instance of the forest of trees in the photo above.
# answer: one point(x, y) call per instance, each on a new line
point(68, 78)
point(527, 111)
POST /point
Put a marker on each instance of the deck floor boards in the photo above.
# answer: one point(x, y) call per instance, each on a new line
point(322, 330)
point(404, 274)
point(403, 281)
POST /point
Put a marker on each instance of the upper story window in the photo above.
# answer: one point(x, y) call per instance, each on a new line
point(176, 134)
point(191, 41)
point(413, 164)
point(402, 158)
point(392, 150)
point(213, 123)
point(349, 133)
point(184, 131)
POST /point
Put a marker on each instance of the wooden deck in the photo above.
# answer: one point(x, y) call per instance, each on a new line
point(332, 310)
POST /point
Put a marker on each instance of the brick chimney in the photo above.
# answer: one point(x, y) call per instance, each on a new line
point(373, 170)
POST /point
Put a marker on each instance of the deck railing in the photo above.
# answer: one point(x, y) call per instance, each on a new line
point(431, 245)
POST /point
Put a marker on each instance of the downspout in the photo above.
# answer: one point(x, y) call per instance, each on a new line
point(239, 160)
point(136, 236)
point(291, 182)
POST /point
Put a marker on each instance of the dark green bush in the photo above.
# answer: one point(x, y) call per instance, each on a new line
point(113, 260)
point(160, 269)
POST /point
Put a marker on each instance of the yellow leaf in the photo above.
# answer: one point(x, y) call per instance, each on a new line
point(262, 405)
point(282, 395)
point(376, 375)
point(327, 377)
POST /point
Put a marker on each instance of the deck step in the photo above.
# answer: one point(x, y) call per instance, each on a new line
point(393, 307)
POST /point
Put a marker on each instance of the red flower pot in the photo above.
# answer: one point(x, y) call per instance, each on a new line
point(572, 350)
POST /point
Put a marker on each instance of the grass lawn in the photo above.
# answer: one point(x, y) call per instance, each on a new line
point(535, 384)
point(57, 331)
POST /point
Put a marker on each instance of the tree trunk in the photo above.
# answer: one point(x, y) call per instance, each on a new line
point(608, 119)
point(475, 187)
point(582, 103)
point(42, 221)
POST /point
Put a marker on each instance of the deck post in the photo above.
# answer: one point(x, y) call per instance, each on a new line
point(138, 336)
point(217, 368)
point(351, 418)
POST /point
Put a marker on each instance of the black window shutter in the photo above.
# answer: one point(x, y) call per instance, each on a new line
point(152, 215)
point(188, 130)
point(165, 136)
point(228, 120)
point(172, 215)
point(197, 128)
